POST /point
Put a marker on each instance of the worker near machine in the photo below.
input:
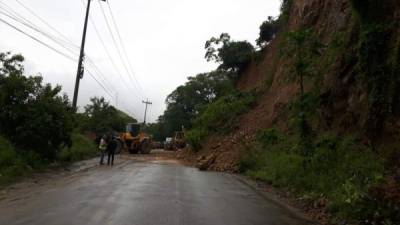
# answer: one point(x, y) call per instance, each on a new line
point(102, 148)
point(111, 147)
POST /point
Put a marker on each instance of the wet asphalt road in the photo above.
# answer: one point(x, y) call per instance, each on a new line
point(145, 193)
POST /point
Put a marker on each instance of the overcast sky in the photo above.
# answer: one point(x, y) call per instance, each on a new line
point(164, 41)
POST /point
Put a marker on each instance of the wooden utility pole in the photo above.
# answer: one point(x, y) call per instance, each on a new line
point(79, 74)
point(145, 111)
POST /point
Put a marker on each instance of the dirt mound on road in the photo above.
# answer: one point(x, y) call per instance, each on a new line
point(221, 153)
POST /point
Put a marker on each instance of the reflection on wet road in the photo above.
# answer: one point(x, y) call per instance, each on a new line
point(145, 193)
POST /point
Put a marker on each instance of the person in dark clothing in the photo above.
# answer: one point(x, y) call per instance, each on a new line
point(111, 147)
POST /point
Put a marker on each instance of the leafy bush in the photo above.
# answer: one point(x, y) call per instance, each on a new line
point(195, 137)
point(11, 165)
point(268, 30)
point(34, 117)
point(7, 153)
point(269, 137)
point(100, 117)
point(82, 148)
point(218, 116)
point(233, 55)
point(186, 101)
point(340, 170)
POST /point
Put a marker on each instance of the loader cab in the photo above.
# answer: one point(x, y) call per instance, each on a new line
point(133, 129)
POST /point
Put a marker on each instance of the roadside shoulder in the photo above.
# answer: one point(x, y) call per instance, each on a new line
point(272, 195)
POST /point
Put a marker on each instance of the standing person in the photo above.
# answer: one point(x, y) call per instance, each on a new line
point(102, 148)
point(111, 147)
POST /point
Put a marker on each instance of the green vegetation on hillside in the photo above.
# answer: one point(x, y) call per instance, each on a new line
point(346, 172)
point(187, 101)
point(218, 117)
point(340, 172)
point(268, 30)
point(232, 55)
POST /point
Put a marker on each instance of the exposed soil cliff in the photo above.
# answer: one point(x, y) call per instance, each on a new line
point(344, 106)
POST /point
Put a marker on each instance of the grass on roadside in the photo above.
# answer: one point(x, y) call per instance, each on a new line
point(11, 164)
point(340, 172)
point(14, 165)
point(82, 148)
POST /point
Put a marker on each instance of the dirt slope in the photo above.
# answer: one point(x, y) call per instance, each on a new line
point(344, 101)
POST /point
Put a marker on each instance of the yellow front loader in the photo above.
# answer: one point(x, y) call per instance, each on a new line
point(136, 141)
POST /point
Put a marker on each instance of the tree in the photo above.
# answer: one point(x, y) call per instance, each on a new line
point(33, 115)
point(155, 130)
point(232, 55)
point(188, 100)
point(268, 30)
point(100, 117)
point(303, 46)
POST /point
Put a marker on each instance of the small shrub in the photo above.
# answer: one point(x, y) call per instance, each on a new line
point(7, 153)
point(11, 165)
point(269, 137)
point(250, 160)
point(82, 148)
point(218, 117)
point(195, 137)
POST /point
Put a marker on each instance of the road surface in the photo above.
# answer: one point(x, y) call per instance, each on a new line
point(144, 193)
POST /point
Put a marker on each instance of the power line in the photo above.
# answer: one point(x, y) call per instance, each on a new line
point(55, 50)
point(90, 73)
point(37, 40)
point(34, 27)
point(47, 24)
point(19, 18)
point(66, 39)
point(116, 45)
point(123, 45)
point(104, 77)
point(109, 55)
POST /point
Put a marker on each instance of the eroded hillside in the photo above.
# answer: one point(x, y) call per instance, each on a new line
point(343, 90)
point(337, 143)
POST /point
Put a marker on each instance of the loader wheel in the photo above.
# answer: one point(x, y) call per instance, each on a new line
point(133, 151)
point(145, 147)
